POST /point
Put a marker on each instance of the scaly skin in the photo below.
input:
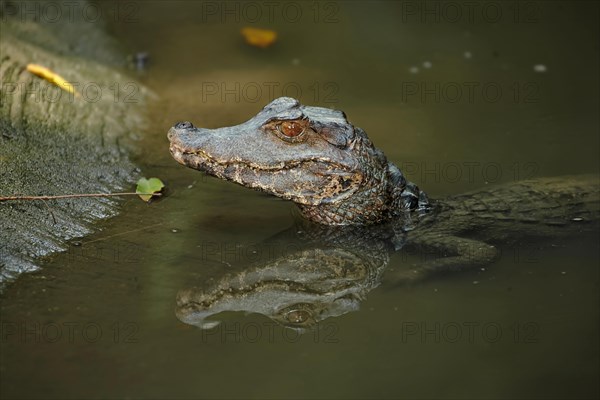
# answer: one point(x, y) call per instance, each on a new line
point(465, 226)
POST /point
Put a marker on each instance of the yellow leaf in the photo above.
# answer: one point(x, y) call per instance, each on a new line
point(259, 37)
point(52, 77)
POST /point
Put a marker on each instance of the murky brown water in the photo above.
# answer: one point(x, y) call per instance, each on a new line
point(453, 99)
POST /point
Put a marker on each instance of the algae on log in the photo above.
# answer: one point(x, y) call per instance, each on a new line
point(52, 142)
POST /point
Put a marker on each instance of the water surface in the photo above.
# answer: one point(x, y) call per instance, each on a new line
point(99, 320)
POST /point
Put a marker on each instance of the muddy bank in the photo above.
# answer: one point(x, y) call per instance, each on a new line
point(53, 142)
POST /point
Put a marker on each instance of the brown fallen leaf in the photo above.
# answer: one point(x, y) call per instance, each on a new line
point(259, 37)
point(52, 77)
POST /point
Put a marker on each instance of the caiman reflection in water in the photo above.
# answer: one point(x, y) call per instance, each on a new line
point(312, 272)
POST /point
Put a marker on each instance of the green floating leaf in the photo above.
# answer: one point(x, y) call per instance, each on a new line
point(146, 188)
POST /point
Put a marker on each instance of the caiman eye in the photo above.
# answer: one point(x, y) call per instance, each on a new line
point(298, 316)
point(291, 128)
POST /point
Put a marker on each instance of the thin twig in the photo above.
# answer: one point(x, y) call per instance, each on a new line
point(69, 196)
point(123, 233)
point(49, 209)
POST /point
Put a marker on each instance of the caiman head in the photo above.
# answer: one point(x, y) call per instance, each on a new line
point(310, 155)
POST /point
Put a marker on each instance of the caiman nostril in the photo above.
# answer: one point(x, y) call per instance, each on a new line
point(184, 125)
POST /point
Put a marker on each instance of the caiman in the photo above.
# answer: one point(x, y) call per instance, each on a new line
point(333, 172)
point(357, 204)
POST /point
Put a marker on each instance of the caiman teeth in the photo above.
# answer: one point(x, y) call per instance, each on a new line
point(206, 158)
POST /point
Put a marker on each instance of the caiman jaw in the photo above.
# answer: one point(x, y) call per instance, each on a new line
point(200, 159)
point(309, 180)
